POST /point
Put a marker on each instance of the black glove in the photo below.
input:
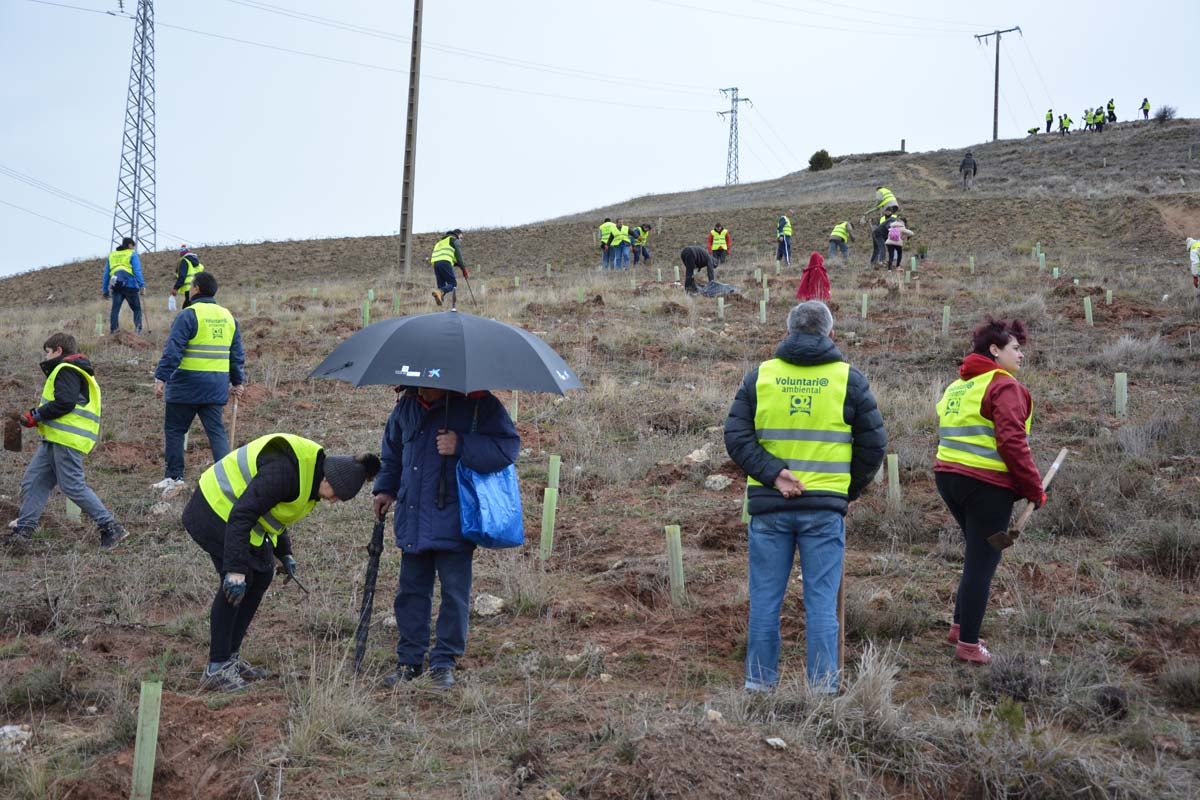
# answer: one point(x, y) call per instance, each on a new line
point(104, 295)
point(234, 587)
point(286, 566)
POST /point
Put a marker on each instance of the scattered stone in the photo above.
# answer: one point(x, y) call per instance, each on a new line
point(1006, 612)
point(551, 794)
point(508, 645)
point(1045, 662)
point(605, 677)
point(777, 743)
point(92, 709)
point(620, 562)
point(696, 457)
point(572, 658)
point(717, 482)
point(712, 715)
point(13, 738)
point(880, 598)
point(160, 509)
point(488, 605)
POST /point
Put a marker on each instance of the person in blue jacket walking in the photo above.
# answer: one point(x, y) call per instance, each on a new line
point(123, 282)
point(428, 432)
point(202, 359)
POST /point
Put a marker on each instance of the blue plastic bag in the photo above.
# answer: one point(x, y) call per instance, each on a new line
point(489, 507)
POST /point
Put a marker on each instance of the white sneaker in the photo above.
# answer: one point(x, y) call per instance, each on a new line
point(167, 483)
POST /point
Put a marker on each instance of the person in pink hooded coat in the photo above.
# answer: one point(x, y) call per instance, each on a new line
point(814, 283)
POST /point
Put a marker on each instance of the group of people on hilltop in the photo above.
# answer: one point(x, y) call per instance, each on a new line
point(618, 241)
point(1094, 119)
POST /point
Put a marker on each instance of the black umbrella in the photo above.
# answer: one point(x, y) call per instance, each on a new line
point(448, 350)
point(374, 551)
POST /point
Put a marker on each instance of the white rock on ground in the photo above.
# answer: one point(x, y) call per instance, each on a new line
point(13, 738)
point(717, 482)
point(696, 457)
point(714, 716)
point(488, 605)
point(777, 743)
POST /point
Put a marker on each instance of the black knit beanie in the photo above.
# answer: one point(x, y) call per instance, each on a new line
point(347, 474)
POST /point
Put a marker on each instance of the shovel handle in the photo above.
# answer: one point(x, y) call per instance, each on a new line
point(1005, 539)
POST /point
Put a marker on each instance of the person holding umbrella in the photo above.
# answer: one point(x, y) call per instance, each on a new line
point(429, 431)
point(240, 516)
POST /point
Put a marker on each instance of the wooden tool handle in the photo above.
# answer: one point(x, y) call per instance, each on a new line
point(1027, 511)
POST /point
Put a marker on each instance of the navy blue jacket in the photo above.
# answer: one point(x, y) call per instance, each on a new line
point(859, 411)
point(412, 469)
point(189, 386)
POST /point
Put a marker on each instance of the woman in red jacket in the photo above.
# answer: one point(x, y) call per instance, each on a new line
point(983, 465)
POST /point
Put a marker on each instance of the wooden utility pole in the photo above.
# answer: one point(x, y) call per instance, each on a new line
point(410, 143)
point(996, 98)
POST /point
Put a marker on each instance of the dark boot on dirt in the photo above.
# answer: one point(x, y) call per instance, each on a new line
point(19, 538)
point(224, 678)
point(247, 670)
point(441, 678)
point(112, 535)
point(403, 674)
point(972, 653)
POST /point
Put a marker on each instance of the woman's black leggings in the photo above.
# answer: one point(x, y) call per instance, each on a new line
point(228, 623)
point(980, 509)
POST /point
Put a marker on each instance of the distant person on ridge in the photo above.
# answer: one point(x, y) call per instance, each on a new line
point(720, 243)
point(189, 265)
point(1145, 108)
point(605, 231)
point(783, 235)
point(1193, 246)
point(641, 250)
point(1034, 130)
point(840, 238)
point(123, 281)
point(1112, 110)
point(446, 256)
point(1049, 118)
point(619, 241)
point(969, 170)
point(694, 258)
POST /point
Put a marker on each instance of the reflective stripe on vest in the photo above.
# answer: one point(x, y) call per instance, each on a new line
point(787, 226)
point(886, 198)
point(800, 418)
point(208, 350)
point(193, 268)
point(443, 250)
point(840, 231)
point(606, 230)
point(120, 261)
point(965, 436)
point(224, 482)
point(620, 235)
point(720, 240)
point(79, 428)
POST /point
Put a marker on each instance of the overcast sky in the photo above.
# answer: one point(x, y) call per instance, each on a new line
point(529, 109)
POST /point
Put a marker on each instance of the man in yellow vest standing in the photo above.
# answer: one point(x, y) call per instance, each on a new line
point(783, 237)
point(720, 242)
point(606, 232)
point(69, 421)
point(201, 360)
point(1145, 107)
point(446, 256)
point(807, 432)
point(1049, 118)
point(189, 265)
point(123, 282)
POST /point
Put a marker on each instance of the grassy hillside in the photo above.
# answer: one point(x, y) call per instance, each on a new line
point(592, 683)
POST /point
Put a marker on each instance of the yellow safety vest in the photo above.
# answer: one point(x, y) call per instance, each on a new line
point(1111, 107)
point(606, 229)
point(192, 271)
point(443, 251)
point(1049, 115)
point(840, 231)
point(888, 198)
point(120, 261)
point(1145, 105)
point(720, 240)
point(965, 436)
point(787, 226)
point(800, 418)
point(224, 482)
point(620, 235)
point(208, 350)
point(643, 237)
point(79, 428)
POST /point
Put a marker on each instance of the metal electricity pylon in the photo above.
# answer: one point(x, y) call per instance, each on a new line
point(134, 213)
point(731, 160)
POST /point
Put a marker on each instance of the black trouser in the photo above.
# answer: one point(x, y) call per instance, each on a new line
point(228, 623)
point(878, 244)
point(690, 267)
point(895, 251)
point(1047, 126)
point(980, 509)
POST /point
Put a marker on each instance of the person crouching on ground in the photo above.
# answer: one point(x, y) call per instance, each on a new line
point(983, 465)
point(69, 421)
point(694, 258)
point(814, 283)
point(428, 433)
point(240, 516)
point(805, 429)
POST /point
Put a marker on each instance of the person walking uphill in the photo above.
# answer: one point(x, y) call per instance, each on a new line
point(68, 419)
point(969, 169)
point(428, 433)
point(447, 254)
point(189, 266)
point(783, 236)
point(805, 428)
point(201, 360)
point(241, 518)
point(840, 238)
point(123, 282)
point(720, 243)
point(983, 465)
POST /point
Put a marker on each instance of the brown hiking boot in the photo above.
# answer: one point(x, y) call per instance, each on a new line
point(437, 296)
point(972, 653)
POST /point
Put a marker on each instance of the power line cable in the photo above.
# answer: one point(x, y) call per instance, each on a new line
point(877, 31)
point(767, 144)
point(782, 141)
point(56, 221)
point(1020, 83)
point(1033, 61)
point(890, 23)
point(889, 13)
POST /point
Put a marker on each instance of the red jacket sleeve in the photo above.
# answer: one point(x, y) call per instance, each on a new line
point(1010, 403)
point(728, 243)
point(710, 243)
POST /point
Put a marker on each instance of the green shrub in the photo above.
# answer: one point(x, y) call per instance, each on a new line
point(1164, 113)
point(820, 160)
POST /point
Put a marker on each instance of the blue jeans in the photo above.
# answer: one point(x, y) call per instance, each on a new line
point(57, 465)
point(774, 539)
point(621, 257)
point(641, 252)
point(178, 419)
point(839, 246)
point(123, 294)
point(414, 607)
point(607, 255)
point(783, 252)
point(443, 273)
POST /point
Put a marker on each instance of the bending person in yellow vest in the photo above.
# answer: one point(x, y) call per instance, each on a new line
point(68, 419)
point(983, 465)
point(446, 256)
point(189, 266)
point(805, 429)
point(240, 517)
point(201, 360)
